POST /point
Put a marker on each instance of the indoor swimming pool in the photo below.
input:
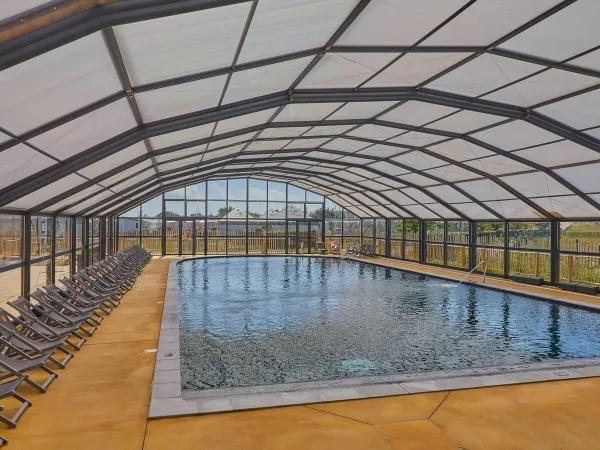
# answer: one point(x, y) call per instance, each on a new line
point(250, 321)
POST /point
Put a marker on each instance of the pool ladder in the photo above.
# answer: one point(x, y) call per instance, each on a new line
point(473, 270)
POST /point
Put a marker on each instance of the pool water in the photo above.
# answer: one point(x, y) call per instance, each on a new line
point(248, 321)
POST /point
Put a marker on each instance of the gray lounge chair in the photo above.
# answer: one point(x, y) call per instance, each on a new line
point(58, 313)
point(11, 367)
point(45, 329)
point(19, 338)
point(8, 389)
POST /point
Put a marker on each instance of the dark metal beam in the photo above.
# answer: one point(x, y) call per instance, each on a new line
point(116, 144)
point(93, 20)
point(117, 58)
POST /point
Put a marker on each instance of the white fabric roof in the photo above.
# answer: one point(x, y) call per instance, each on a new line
point(406, 108)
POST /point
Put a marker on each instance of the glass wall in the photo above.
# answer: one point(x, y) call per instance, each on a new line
point(489, 252)
point(434, 242)
point(579, 244)
point(529, 254)
point(457, 244)
point(236, 216)
point(11, 256)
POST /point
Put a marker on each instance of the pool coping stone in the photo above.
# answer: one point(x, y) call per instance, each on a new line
point(169, 400)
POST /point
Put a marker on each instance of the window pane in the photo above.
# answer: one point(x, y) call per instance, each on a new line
point(152, 208)
point(62, 266)
point(368, 228)
point(276, 191)
point(276, 211)
point(257, 190)
point(237, 211)
point(490, 233)
point(176, 194)
point(458, 232)
point(134, 212)
point(295, 194)
point(217, 209)
point(332, 210)
point(257, 210)
point(129, 232)
point(351, 227)
point(412, 230)
point(237, 189)
point(580, 237)
point(217, 190)
point(174, 208)
point(152, 235)
point(196, 192)
point(580, 269)
point(312, 197)
point(196, 209)
point(79, 233)
point(528, 263)
point(380, 228)
point(529, 235)
point(295, 211)
point(396, 227)
point(63, 234)
point(314, 211)
point(10, 285)
point(41, 274)
point(10, 239)
point(333, 227)
point(41, 236)
point(435, 231)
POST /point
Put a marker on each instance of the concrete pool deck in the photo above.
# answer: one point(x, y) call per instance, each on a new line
point(101, 401)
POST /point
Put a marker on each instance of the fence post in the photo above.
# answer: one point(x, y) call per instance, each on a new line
point(472, 245)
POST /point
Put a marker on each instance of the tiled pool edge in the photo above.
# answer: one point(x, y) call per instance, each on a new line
point(168, 400)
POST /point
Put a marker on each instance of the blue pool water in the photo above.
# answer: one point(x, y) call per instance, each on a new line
point(249, 321)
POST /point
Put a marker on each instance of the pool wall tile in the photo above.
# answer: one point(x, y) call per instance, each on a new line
point(382, 390)
point(254, 401)
point(421, 386)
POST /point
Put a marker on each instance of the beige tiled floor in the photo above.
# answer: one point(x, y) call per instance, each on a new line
point(101, 402)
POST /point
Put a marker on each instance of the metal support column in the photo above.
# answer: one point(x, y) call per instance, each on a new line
point(26, 254)
point(53, 249)
point(86, 242)
point(194, 237)
point(445, 243)
point(472, 245)
point(422, 243)
point(73, 245)
point(102, 225)
point(163, 243)
point(554, 251)
point(506, 246)
point(403, 254)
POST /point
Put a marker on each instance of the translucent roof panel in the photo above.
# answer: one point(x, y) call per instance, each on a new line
point(345, 70)
point(415, 68)
point(494, 20)
point(56, 83)
point(484, 74)
point(547, 85)
point(264, 80)
point(41, 195)
point(417, 113)
point(180, 99)
point(280, 27)
point(398, 23)
point(560, 36)
point(114, 160)
point(579, 112)
point(182, 44)
point(457, 108)
point(21, 161)
point(86, 131)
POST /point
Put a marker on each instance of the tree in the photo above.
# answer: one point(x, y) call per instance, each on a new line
point(412, 225)
point(254, 215)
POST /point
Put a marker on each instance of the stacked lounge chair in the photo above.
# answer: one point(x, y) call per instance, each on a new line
point(60, 319)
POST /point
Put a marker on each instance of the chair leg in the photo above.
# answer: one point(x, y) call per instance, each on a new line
point(12, 422)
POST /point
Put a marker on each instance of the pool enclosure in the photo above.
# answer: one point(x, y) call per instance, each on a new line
point(444, 133)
